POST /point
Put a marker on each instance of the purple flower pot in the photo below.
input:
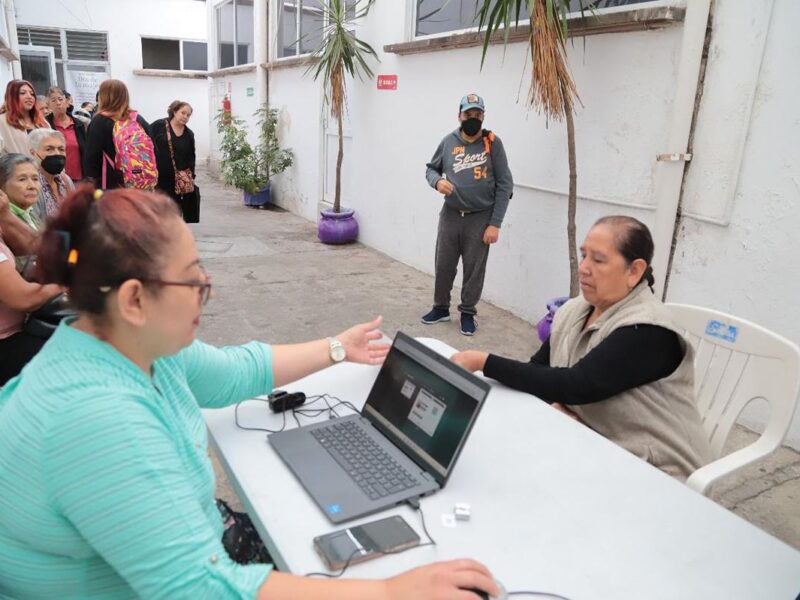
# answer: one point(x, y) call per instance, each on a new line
point(544, 326)
point(337, 228)
point(259, 199)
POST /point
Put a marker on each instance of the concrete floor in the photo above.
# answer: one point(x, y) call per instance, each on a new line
point(274, 281)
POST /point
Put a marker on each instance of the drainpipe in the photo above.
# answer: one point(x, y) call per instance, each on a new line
point(669, 172)
point(261, 35)
point(11, 22)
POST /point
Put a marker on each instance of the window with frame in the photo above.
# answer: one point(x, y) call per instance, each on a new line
point(441, 16)
point(300, 24)
point(175, 55)
point(235, 34)
point(83, 51)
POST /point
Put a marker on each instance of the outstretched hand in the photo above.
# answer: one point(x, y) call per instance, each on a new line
point(471, 360)
point(360, 345)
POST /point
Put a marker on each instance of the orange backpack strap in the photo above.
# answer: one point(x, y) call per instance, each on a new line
point(488, 138)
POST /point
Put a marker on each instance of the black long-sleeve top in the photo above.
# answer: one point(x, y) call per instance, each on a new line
point(627, 358)
point(184, 148)
point(99, 139)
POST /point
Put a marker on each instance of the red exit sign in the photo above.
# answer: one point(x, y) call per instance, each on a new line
point(387, 82)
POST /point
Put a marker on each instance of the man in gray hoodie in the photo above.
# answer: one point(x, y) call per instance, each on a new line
point(471, 170)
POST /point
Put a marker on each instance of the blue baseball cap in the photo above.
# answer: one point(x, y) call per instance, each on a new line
point(471, 101)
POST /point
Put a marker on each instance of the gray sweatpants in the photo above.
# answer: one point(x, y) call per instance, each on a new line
point(461, 237)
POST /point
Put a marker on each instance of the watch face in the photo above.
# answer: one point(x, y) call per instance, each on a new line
point(337, 352)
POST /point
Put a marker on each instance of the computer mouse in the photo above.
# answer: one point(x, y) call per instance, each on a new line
point(484, 596)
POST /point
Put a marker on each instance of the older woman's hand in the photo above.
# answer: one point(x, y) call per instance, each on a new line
point(471, 360)
point(3, 202)
point(572, 415)
point(359, 343)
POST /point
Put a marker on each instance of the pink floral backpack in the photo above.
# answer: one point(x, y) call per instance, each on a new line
point(136, 159)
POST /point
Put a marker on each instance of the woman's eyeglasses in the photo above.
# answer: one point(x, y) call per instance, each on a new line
point(203, 287)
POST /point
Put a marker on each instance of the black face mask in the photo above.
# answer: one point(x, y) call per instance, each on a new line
point(54, 164)
point(471, 126)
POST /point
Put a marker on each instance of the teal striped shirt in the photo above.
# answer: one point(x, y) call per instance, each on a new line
point(107, 488)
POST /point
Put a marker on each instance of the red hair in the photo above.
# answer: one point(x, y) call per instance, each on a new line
point(96, 243)
point(13, 107)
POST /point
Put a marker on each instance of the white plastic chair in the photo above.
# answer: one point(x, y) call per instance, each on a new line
point(737, 361)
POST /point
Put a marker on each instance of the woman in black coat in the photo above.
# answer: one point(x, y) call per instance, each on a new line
point(181, 157)
point(113, 106)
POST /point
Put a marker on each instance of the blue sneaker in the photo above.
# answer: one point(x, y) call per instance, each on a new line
point(468, 324)
point(437, 315)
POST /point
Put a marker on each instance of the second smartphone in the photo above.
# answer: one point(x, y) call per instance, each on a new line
point(363, 542)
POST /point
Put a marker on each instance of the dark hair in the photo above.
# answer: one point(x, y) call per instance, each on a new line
point(176, 106)
point(121, 236)
point(633, 240)
point(12, 107)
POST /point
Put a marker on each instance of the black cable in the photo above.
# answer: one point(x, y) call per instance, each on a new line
point(539, 594)
point(331, 402)
point(357, 551)
point(414, 503)
point(240, 426)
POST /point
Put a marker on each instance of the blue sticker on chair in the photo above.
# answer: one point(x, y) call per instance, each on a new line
point(334, 509)
point(722, 330)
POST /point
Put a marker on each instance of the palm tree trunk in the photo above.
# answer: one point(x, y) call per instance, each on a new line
point(571, 201)
point(337, 201)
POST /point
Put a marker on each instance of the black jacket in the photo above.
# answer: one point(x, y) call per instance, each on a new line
point(185, 154)
point(100, 139)
point(80, 132)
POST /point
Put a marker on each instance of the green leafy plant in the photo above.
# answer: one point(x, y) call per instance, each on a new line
point(552, 89)
point(243, 165)
point(340, 52)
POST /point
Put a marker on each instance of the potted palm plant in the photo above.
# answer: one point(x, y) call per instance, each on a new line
point(552, 91)
point(339, 54)
point(247, 167)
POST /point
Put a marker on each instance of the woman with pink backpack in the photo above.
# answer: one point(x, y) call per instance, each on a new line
point(119, 151)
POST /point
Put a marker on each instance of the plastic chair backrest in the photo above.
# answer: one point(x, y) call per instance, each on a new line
point(736, 362)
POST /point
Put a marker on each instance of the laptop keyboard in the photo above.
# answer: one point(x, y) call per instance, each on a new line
point(369, 465)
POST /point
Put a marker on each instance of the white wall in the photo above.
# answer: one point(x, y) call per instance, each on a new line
point(242, 105)
point(299, 102)
point(746, 170)
point(126, 22)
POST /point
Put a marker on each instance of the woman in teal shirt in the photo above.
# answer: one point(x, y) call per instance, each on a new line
point(108, 491)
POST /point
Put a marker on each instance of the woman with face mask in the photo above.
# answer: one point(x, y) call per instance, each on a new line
point(49, 148)
point(73, 129)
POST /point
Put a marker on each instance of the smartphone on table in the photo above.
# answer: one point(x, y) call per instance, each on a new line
point(363, 542)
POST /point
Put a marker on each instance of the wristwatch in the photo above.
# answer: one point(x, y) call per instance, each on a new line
point(337, 351)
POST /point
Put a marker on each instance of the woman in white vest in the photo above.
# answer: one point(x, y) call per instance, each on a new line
point(614, 360)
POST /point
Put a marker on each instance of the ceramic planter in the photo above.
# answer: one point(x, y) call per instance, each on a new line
point(337, 228)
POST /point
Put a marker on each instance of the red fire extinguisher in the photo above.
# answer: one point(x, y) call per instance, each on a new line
point(226, 110)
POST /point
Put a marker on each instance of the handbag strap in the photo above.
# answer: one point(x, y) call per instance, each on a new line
point(171, 151)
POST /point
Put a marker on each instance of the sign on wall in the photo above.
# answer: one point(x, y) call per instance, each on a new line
point(387, 82)
point(83, 85)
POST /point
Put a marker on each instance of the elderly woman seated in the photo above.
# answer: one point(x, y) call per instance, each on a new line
point(19, 183)
point(614, 359)
point(17, 297)
point(49, 149)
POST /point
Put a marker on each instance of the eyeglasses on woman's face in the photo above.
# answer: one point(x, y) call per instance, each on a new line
point(203, 287)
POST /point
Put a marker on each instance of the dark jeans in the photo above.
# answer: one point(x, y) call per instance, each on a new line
point(15, 352)
point(461, 237)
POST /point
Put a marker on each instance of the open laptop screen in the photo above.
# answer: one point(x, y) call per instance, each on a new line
point(425, 404)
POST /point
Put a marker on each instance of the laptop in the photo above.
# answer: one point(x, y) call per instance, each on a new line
point(404, 443)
